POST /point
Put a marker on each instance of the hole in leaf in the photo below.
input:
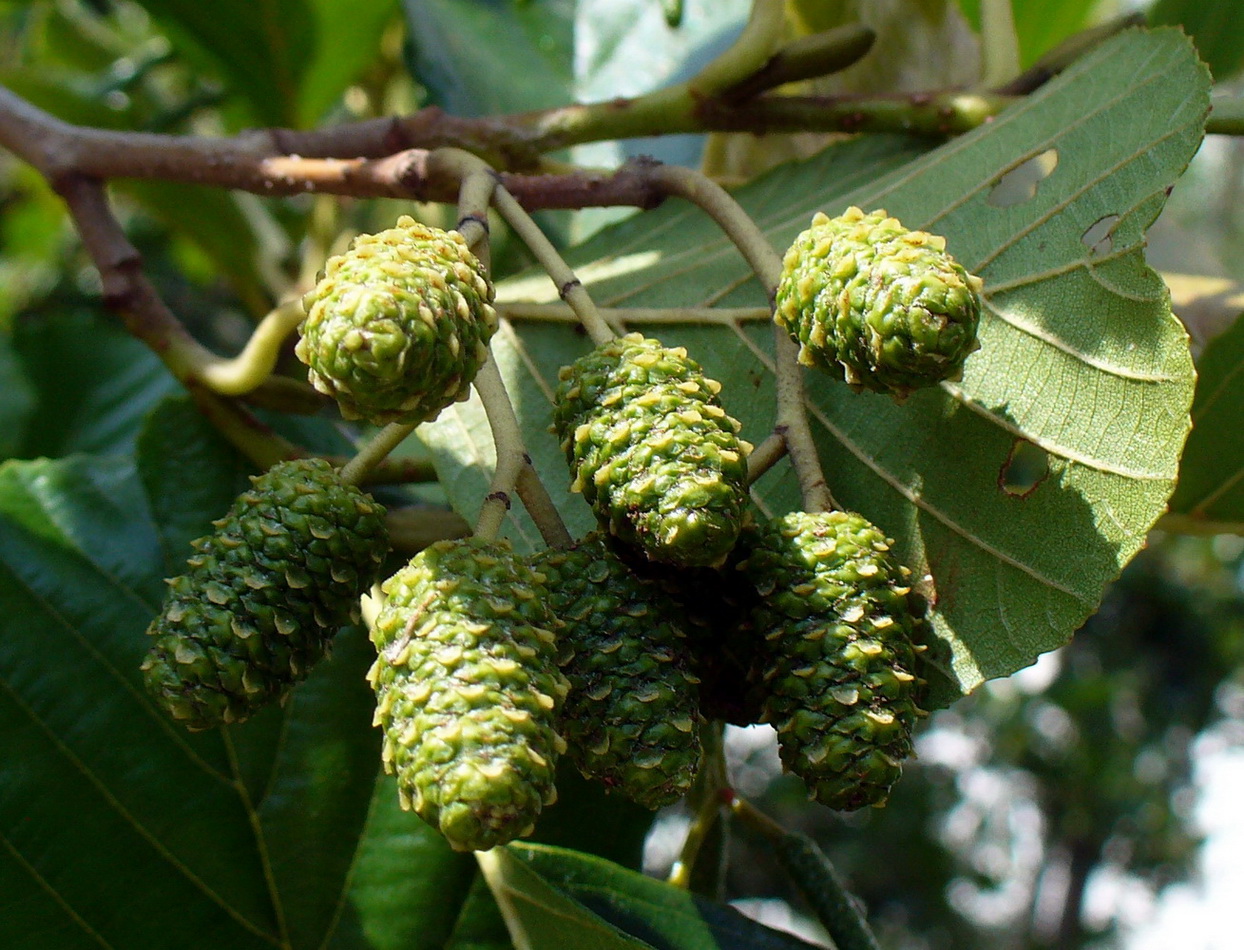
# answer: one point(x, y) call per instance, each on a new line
point(1025, 468)
point(1020, 183)
point(1099, 238)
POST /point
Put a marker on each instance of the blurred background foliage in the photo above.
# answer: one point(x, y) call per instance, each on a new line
point(1076, 772)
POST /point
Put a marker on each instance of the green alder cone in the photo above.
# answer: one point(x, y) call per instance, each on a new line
point(263, 597)
point(838, 617)
point(631, 717)
point(468, 691)
point(653, 451)
point(877, 305)
point(398, 325)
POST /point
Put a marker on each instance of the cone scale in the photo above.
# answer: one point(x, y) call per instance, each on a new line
point(875, 304)
point(653, 451)
point(468, 691)
point(263, 597)
point(838, 618)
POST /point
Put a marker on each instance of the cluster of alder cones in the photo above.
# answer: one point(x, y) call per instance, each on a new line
point(491, 665)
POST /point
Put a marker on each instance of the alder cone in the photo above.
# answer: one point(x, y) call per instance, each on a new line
point(839, 618)
point(468, 691)
point(880, 306)
point(397, 327)
point(631, 718)
point(653, 451)
point(263, 597)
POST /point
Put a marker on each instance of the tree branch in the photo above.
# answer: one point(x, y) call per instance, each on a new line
point(388, 157)
point(792, 425)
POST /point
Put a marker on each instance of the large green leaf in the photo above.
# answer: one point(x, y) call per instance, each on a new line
point(273, 832)
point(17, 402)
point(1019, 493)
point(117, 827)
point(347, 42)
point(409, 890)
point(261, 48)
point(1210, 494)
point(190, 474)
point(554, 897)
point(1216, 26)
point(93, 383)
point(461, 47)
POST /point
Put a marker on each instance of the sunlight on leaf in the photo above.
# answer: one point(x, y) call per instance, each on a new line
point(1080, 355)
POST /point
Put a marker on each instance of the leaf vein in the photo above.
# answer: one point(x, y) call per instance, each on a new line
point(261, 843)
point(150, 711)
point(1061, 451)
point(915, 498)
point(53, 893)
point(115, 804)
point(1049, 339)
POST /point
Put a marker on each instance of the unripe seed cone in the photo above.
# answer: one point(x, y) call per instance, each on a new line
point(631, 718)
point(263, 597)
point(398, 325)
point(653, 451)
point(839, 617)
point(880, 306)
point(468, 691)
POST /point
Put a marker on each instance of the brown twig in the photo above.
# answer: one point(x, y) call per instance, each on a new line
point(387, 157)
point(736, 223)
point(128, 292)
point(792, 425)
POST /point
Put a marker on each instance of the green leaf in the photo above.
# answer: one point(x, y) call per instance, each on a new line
point(539, 915)
point(553, 897)
point(18, 400)
point(480, 925)
point(261, 48)
point(461, 47)
point(347, 42)
point(1040, 24)
point(190, 473)
point(239, 837)
point(93, 383)
point(1043, 24)
point(1084, 376)
point(275, 831)
point(1216, 26)
point(409, 887)
point(213, 220)
point(1210, 495)
point(971, 12)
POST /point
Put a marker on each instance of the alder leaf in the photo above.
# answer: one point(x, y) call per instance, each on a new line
point(1017, 494)
point(119, 828)
point(1210, 496)
point(555, 897)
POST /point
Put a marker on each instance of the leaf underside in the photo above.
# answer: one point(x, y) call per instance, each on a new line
point(1210, 494)
point(1016, 494)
